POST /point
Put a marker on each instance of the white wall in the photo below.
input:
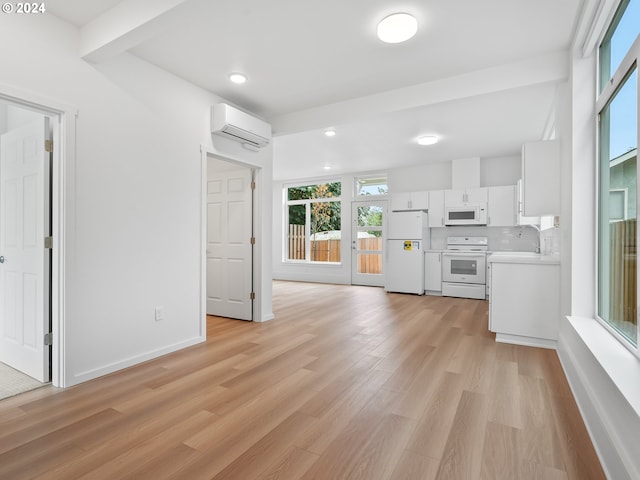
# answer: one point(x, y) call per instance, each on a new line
point(432, 176)
point(133, 200)
point(500, 171)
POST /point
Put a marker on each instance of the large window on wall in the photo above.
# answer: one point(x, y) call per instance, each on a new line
point(313, 231)
point(618, 175)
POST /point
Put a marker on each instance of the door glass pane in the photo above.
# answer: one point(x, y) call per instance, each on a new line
point(370, 240)
point(370, 263)
point(370, 216)
point(617, 243)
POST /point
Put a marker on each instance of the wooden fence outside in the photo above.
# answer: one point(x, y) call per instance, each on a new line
point(329, 250)
point(622, 272)
point(296, 242)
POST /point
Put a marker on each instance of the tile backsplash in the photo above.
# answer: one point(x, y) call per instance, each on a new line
point(515, 239)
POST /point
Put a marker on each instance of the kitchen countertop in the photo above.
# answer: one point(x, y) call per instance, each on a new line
point(523, 257)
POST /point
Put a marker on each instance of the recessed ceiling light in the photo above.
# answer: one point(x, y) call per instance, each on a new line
point(398, 27)
point(428, 140)
point(330, 132)
point(327, 167)
point(238, 77)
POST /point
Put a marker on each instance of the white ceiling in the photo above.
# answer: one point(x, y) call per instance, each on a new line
point(481, 75)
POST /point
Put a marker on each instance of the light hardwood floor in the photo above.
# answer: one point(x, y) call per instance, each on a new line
point(345, 383)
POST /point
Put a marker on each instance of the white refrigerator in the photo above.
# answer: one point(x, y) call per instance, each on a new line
point(407, 239)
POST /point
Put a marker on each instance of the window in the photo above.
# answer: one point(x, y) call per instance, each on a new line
point(618, 39)
point(618, 175)
point(313, 223)
point(372, 185)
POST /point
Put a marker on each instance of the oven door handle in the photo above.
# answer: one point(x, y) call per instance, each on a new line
point(464, 254)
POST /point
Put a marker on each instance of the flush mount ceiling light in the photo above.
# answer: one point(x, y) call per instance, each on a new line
point(330, 132)
point(327, 167)
point(396, 28)
point(427, 140)
point(238, 78)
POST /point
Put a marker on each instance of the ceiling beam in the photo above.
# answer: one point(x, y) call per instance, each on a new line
point(550, 68)
point(124, 26)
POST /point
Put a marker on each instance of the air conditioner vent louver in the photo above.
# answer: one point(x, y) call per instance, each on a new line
point(237, 125)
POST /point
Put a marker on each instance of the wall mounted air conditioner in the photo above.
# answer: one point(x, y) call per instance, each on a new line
point(237, 125)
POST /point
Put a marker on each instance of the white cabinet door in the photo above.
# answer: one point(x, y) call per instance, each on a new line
point(502, 206)
point(454, 198)
point(522, 220)
point(541, 178)
point(420, 200)
point(476, 195)
point(400, 201)
point(409, 201)
point(433, 271)
point(525, 300)
point(436, 208)
point(468, 196)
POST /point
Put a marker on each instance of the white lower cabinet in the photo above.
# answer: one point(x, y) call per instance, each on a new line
point(524, 305)
point(433, 272)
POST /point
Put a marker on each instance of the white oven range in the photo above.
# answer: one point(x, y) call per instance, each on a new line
point(464, 267)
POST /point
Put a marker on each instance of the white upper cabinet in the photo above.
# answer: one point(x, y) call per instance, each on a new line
point(436, 208)
point(502, 206)
point(541, 178)
point(466, 196)
point(410, 201)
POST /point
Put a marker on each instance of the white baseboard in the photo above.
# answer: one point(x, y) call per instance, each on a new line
point(526, 341)
point(80, 377)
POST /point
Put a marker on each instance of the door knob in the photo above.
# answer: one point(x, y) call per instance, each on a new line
point(1, 259)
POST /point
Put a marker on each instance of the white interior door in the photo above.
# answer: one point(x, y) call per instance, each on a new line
point(229, 248)
point(367, 242)
point(24, 167)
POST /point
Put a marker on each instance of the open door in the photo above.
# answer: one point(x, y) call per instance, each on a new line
point(229, 244)
point(24, 260)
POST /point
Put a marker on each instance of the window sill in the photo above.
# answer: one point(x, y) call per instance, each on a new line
point(622, 366)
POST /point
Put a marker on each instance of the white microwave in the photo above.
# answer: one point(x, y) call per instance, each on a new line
point(465, 215)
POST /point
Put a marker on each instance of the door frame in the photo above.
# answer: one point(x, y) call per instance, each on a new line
point(205, 153)
point(63, 125)
point(232, 170)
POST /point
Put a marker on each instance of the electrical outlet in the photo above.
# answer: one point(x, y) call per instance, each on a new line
point(159, 313)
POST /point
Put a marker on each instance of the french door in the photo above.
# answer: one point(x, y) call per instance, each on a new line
point(367, 242)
